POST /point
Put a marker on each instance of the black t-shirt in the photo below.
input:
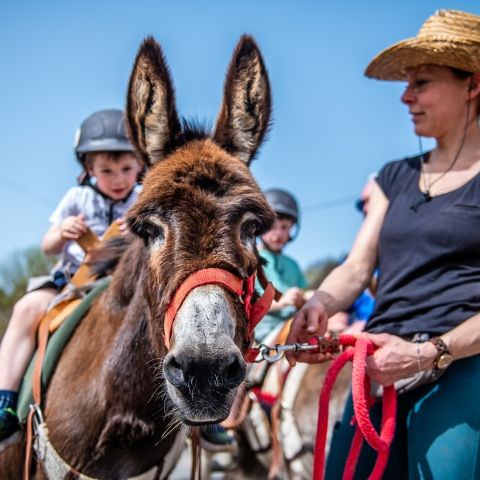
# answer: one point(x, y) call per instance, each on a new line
point(429, 255)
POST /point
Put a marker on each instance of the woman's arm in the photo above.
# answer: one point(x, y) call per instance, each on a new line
point(343, 285)
point(464, 340)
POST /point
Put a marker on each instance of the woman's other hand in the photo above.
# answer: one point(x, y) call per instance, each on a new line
point(396, 358)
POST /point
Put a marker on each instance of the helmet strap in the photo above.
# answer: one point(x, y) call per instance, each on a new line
point(88, 183)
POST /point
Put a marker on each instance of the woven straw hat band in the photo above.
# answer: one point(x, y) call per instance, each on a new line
point(450, 23)
point(449, 37)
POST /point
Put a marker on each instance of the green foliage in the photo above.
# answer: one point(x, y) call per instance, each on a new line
point(14, 275)
point(316, 272)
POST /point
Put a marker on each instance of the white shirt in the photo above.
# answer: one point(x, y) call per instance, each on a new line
point(99, 213)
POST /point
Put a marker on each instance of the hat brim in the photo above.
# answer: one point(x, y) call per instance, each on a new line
point(392, 63)
point(106, 145)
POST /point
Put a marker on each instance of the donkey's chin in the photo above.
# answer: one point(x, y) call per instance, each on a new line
point(201, 409)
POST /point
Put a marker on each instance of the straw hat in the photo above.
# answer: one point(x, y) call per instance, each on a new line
point(449, 37)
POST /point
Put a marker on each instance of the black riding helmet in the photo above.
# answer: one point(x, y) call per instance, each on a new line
point(102, 131)
point(284, 203)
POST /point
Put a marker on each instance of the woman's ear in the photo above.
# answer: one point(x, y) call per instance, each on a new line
point(474, 85)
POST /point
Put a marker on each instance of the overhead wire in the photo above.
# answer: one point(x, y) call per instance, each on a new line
point(330, 203)
point(21, 189)
point(51, 203)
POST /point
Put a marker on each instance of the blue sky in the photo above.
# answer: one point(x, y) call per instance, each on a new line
point(332, 126)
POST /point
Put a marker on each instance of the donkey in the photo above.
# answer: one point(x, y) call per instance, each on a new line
point(129, 383)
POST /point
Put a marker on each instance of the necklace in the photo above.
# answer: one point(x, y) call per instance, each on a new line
point(427, 186)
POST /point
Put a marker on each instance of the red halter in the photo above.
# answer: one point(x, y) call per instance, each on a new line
point(243, 288)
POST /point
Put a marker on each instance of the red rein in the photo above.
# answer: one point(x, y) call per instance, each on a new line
point(362, 402)
point(243, 288)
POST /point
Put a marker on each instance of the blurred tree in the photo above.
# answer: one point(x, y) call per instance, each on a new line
point(316, 272)
point(14, 275)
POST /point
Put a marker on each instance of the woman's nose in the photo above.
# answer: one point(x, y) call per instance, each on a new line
point(408, 95)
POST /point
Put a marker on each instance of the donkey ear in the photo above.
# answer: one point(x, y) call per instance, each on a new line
point(152, 118)
point(246, 108)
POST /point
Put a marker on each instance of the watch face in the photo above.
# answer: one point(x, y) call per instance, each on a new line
point(444, 361)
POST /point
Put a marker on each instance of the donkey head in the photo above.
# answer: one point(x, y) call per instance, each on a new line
point(199, 208)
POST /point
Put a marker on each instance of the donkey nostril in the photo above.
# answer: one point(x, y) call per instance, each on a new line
point(234, 370)
point(173, 372)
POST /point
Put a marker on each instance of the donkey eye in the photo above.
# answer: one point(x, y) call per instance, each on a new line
point(152, 233)
point(250, 230)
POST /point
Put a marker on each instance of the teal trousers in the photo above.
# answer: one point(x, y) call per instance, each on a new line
point(437, 431)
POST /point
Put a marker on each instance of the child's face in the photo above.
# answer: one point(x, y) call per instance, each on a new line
point(276, 238)
point(115, 177)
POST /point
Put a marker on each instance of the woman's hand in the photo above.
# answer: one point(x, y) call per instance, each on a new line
point(396, 358)
point(73, 227)
point(309, 321)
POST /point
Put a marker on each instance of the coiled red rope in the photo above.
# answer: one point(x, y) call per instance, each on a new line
point(357, 350)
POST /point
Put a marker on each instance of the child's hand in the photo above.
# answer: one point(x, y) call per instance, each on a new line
point(122, 225)
point(293, 296)
point(73, 227)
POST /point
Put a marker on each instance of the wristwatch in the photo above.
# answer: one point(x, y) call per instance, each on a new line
point(444, 358)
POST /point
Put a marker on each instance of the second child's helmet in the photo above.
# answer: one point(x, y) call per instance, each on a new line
point(102, 131)
point(284, 203)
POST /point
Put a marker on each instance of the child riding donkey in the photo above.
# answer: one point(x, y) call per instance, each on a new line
point(107, 188)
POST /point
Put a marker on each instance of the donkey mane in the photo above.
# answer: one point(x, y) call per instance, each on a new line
point(103, 260)
point(192, 129)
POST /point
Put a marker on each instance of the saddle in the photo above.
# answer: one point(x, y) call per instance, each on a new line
point(63, 315)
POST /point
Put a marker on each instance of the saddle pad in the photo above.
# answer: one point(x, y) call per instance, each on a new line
point(56, 344)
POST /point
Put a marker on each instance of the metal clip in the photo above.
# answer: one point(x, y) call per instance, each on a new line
point(267, 355)
point(37, 413)
point(330, 344)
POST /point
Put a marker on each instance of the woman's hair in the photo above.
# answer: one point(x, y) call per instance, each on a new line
point(460, 74)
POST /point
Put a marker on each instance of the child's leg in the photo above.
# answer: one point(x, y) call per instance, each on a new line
point(19, 340)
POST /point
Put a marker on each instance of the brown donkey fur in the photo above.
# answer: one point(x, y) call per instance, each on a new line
point(118, 400)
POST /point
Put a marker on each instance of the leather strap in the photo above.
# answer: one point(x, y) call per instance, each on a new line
point(87, 241)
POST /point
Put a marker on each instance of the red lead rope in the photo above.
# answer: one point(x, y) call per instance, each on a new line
point(359, 349)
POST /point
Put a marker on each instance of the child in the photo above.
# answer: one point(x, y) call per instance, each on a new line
point(280, 269)
point(108, 187)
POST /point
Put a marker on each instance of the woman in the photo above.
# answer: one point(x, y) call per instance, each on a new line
point(423, 231)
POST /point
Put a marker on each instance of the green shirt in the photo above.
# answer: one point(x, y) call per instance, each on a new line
point(284, 273)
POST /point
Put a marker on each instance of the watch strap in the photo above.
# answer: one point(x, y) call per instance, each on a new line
point(441, 347)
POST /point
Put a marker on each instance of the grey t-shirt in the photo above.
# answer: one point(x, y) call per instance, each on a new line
point(99, 213)
point(429, 255)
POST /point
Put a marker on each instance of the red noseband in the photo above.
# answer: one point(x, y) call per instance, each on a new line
point(217, 276)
